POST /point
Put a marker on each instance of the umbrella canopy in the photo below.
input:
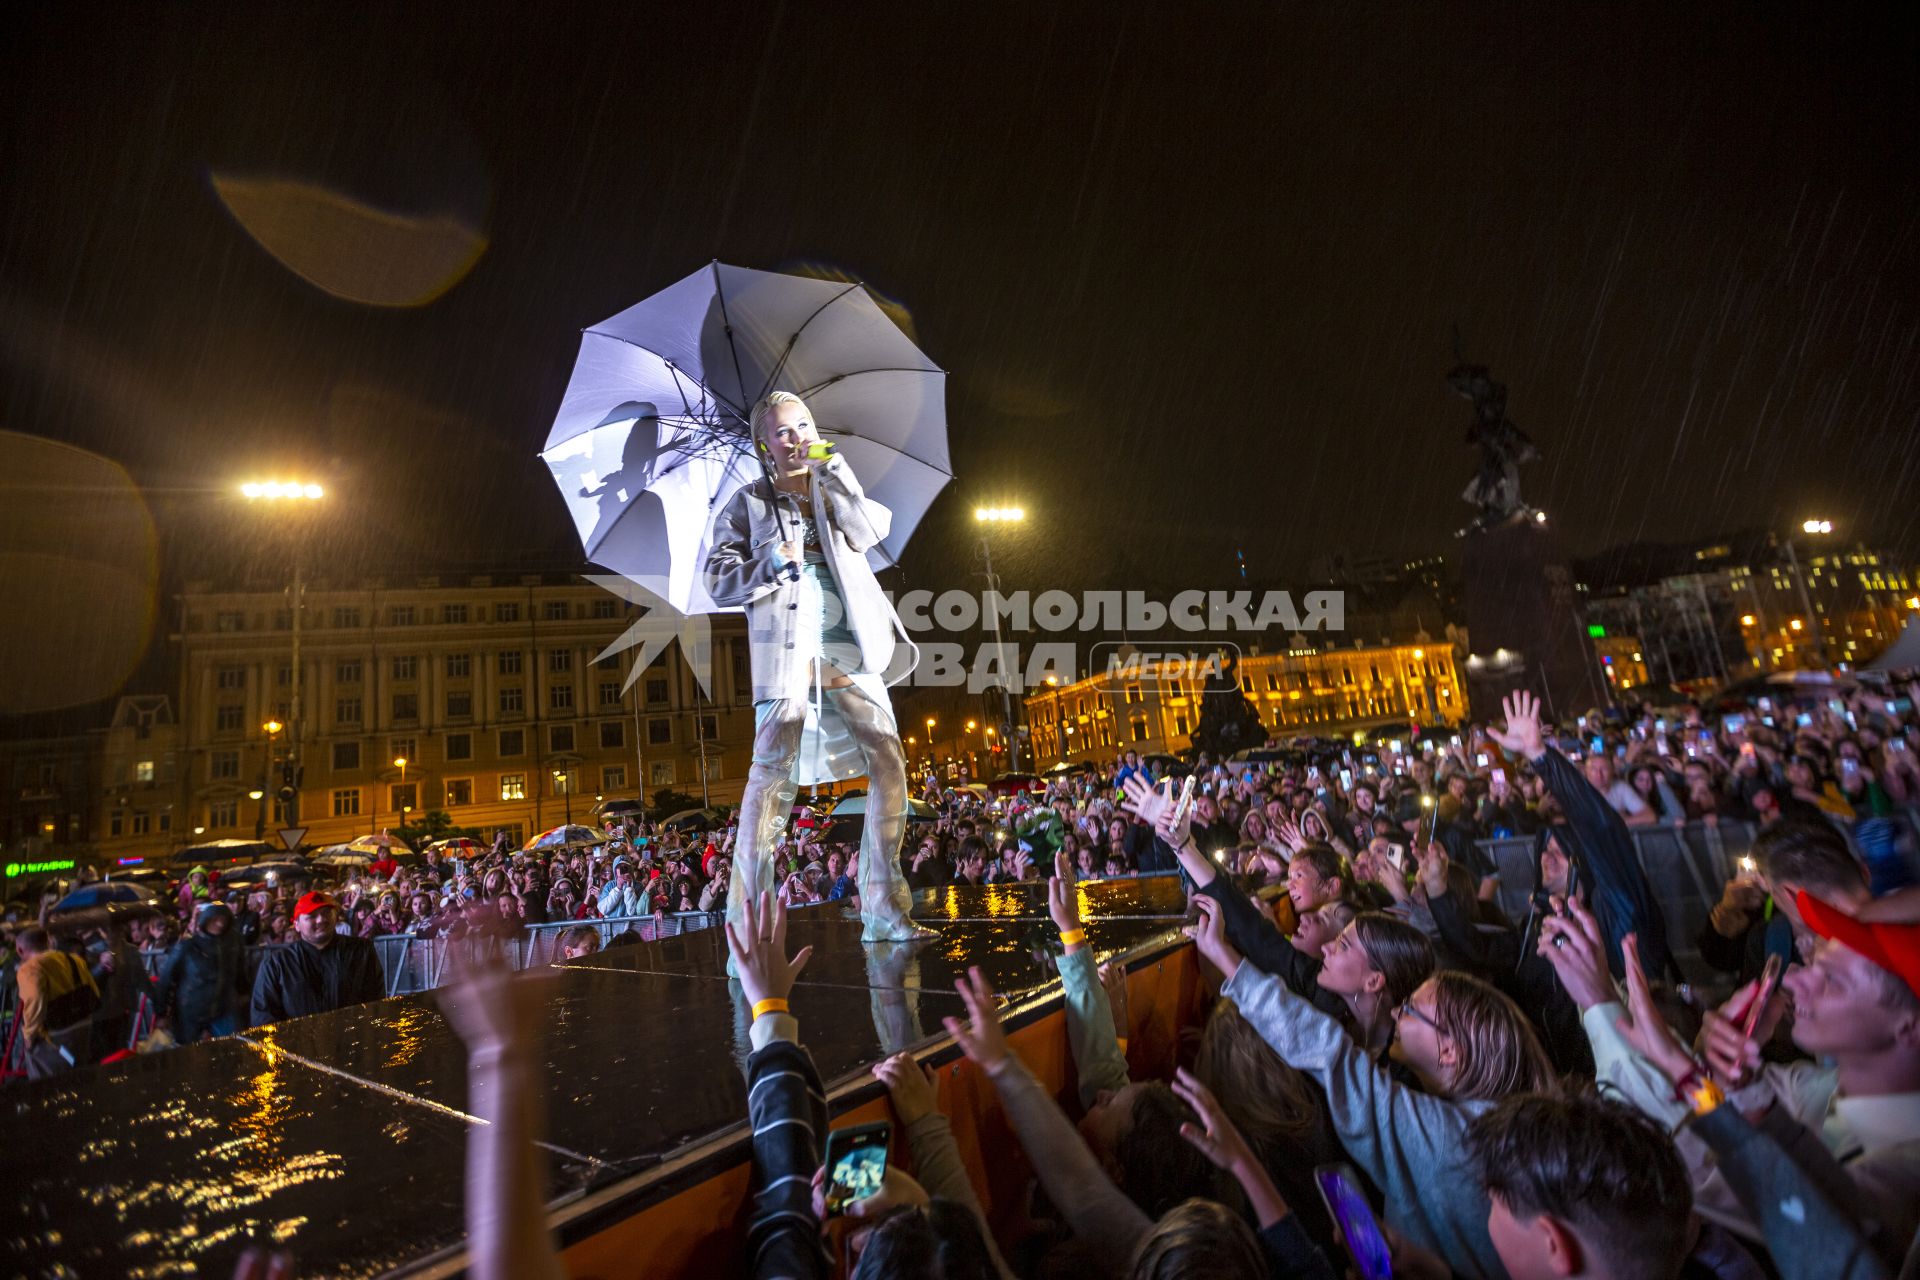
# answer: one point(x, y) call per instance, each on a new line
point(687, 818)
point(259, 871)
point(620, 809)
point(460, 847)
point(566, 837)
point(100, 895)
point(1904, 653)
point(341, 855)
point(384, 842)
point(849, 820)
point(652, 439)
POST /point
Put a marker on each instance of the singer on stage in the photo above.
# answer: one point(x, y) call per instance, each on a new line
point(790, 549)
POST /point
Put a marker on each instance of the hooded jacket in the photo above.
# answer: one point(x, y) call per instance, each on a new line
point(200, 983)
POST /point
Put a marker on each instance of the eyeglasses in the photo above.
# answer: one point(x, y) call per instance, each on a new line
point(1410, 1010)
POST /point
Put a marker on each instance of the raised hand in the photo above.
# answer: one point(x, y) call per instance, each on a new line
point(1289, 832)
point(980, 1037)
point(1113, 976)
point(1063, 900)
point(910, 1085)
point(1209, 934)
point(1434, 865)
point(1522, 736)
point(759, 948)
point(1571, 941)
point(1645, 1027)
point(1215, 1136)
point(1732, 1054)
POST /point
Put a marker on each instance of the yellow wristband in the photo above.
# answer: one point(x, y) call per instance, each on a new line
point(775, 1005)
point(1706, 1096)
point(1072, 937)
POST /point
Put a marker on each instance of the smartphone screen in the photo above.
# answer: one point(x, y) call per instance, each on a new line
point(1735, 723)
point(1500, 776)
point(1340, 1188)
point(856, 1163)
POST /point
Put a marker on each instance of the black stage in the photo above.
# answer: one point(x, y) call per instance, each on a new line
point(342, 1137)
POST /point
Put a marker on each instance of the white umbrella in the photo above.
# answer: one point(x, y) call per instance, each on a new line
point(651, 438)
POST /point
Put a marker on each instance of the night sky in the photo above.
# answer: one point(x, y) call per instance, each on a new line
point(1194, 268)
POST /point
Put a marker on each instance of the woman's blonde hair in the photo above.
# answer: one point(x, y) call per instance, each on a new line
point(764, 407)
point(1498, 1053)
point(1269, 1101)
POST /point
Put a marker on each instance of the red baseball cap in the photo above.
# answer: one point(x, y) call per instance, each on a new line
point(313, 901)
point(1894, 947)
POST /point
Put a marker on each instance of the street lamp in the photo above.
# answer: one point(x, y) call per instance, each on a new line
point(290, 495)
point(986, 517)
point(270, 728)
point(1806, 599)
point(563, 783)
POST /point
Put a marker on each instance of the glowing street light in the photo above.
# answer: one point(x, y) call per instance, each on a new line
point(999, 515)
point(1817, 526)
point(1746, 619)
point(298, 490)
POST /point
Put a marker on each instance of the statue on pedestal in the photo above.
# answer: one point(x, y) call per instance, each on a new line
point(1495, 490)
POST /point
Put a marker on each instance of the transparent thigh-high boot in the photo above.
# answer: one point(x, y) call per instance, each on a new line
point(886, 903)
point(767, 800)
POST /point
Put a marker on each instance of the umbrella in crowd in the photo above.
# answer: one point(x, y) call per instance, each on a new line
point(459, 847)
point(652, 436)
point(342, 855)
point(102, 894)
point(849, 819)
point(688, 818)
point(259, 872)
point(566, 837)
point(379, 844)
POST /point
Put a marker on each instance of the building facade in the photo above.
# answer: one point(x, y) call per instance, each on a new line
point(482, 696)
point(1303, 690)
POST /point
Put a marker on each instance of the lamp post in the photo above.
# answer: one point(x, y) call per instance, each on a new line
point(987, 516)
point(400, 763)
point(290, 495)
point(266, 764)
point(563, 783)
point(1814, 632)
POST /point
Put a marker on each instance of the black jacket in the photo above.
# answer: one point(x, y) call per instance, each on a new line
point(299, 979)
point(200, 983)
point(1528, 979)
point(1609, 867)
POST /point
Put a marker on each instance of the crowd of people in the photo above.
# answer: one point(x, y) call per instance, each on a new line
point(1541, 1095)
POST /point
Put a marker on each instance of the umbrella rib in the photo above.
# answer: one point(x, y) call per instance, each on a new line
point(794, 341)
point(641, 346)
point(726, 327)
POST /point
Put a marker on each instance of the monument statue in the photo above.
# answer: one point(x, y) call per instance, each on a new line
point(1495, 490)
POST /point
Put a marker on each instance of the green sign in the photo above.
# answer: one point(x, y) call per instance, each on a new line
point(1596, 631)
point(35, 868)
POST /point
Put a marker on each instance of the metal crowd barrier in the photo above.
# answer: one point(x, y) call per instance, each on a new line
point(419, 964)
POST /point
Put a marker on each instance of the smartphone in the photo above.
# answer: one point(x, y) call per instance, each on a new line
point(1804, 719)
point(1346, 779)
point(1398, 857)
point(1660, 743)
point(1766, 704)
point(1353, 1217)
point(1896, 744)
point(1500, 776)
point(1596, 744)
point(856, 1163)
point(1769, 979)
point(1480, 761)
point(1735, 723)
point(1849, 766)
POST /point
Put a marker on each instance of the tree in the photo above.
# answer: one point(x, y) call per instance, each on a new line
point(434, 824)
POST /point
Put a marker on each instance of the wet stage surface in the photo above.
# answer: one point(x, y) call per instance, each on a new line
point(342, 1136)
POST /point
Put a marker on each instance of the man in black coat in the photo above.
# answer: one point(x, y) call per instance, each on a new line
point(320, 971)
point(200, 992)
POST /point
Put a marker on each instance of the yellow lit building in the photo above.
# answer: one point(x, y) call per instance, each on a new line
point(487, 688)
point(1300, 691)
point(1623, 661)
